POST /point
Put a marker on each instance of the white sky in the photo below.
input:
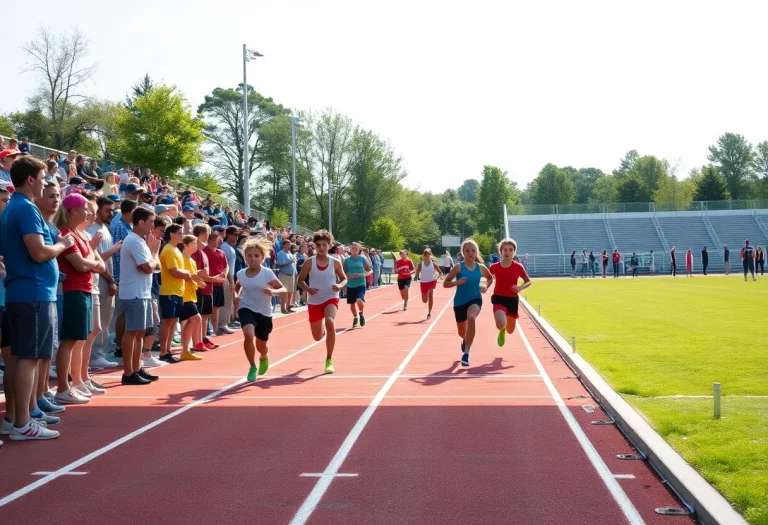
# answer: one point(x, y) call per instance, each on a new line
point(453, 85)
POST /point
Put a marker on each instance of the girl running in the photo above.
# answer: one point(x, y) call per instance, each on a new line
point(255, 287)
point(356, 267)
point(468, 299)
point(404, 268)
point(326, 278)
point(505, 298)
point(428, 273)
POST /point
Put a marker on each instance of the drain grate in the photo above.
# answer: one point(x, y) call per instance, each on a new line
point(629, 457)
point(673, 511)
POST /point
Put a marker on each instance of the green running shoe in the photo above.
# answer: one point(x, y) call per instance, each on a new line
point(252, 374)
point(354, 322)
point(502, 338)
point(263, 365)
point(329, 366)
point(362, 319)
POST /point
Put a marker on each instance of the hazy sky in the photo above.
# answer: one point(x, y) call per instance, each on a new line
point(452, 85)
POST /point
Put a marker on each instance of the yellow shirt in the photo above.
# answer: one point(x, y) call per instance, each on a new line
point(170, 258)
point(190, 288)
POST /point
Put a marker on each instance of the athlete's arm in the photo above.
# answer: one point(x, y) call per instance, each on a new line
point(277, 288)
point(238, 288)
point(449, 279)
point(418, 272)
point(485, 272)
point(438, 273)
point(340, 274)
point(303, 276)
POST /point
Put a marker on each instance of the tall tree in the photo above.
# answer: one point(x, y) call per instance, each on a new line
point(584, 181)
point(494, 192)
point(384, 234)
point(6, 126)
point(60, 64)
point(552, 186)
point(675, 194)
point(633, 189)
point(711, 186)
point(160, 133)
point(606, 190)
point(733, 156)
point(274, 186)
point(651, 171)
point(222, 112)
point(468, 190)
point(141, 88)
point(626, 164)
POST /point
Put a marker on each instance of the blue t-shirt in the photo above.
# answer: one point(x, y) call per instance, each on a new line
point(27, 281)
point(284, 257)
point(355, 265)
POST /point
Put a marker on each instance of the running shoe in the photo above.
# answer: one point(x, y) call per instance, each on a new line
point(354, 322)
point(362, 319)
point(49, 407)
point(101, 362)
point(209, 345)
point(45, 418)
point(405, 306)
point(6, 427)
point(33, 430)
point(169, 358)
point(429, 317)
point(82, 390)
point(176, 340)
point(134, 379)
point(263, 365)
point(465, 359)
point(189, 356)
point(93, 388)
point(252, 374)
point(70, 397)
point(502, 337)
point(92, 382)
point(150, 361)
point(146, 375)
point(329, 366)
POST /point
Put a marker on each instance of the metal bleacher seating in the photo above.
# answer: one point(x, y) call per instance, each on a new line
point(584, 234)
point(636, 235)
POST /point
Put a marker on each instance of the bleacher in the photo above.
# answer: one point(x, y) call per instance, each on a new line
point(634, 230)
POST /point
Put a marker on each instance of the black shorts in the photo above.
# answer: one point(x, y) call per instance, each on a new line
point(188, 311)
point(509, 305)
point(5, 330)
point(402, 283)
point(355, 294)
point(204, 303)
point(218, 296)
point(76, 321)
point(461, 312)
point(171, 306)
point(262, 324)
point(30, 329)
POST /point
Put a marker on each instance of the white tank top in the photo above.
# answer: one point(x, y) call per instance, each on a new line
point(427, 274)
point(323, 280)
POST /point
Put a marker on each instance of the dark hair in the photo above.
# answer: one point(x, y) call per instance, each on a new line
point(141, 214)
point(323, 235)
point(51, 164)
point(180, 220)
point(127, 206)
point(173, 228)
point(103, 201)
point(161, 222)
point(24, 168)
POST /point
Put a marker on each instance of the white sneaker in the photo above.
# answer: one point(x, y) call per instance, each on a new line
point(33, 431)
point(6, 427)
point(82, 389)
point(70, 397)
point(50, 394)
point(151, 362)
point(100, 362)
point(93, 389)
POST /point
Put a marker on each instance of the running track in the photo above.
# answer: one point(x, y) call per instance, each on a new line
point(400, 434)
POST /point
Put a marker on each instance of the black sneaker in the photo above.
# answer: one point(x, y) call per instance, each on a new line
point(465, 359)
point(118, 352)
point(463, 346)
point(146, 375)
point(134, 379)
point(169, 358)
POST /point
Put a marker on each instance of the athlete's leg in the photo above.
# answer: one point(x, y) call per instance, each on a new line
point(472, 314)
point(500, 316)
point(330, 329)
point(250, 343)
point(511, 324)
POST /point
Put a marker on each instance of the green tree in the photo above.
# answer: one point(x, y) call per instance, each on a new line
point(384, 234)
point(626, 164)
point(552, 186)
point(141, 88)
point(650, 171)
point(606, 190)
point(711, 186)
point(6, 126)
point(675, 194)
point(279, 218)
point(733, 156)
point(160, 133)
point(632, 189)
point(468, 190)
point(484, 242)
point(203, 180)
point(584, 181)
point(494, 192)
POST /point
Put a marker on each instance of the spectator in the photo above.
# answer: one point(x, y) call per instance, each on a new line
point(760, 259)
point(689, 263)
point(174, 278)
point(616, 259)
point(704, 260)
point(230, 251)
point(217, 265)
point(748, 260)
point(286, 263)
point(7, 157)
point(726, 257)
point(32, 275)
point(24, 146)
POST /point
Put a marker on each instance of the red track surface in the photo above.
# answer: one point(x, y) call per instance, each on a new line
point(429, 442)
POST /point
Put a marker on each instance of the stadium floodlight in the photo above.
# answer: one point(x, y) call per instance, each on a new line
point(248, 55)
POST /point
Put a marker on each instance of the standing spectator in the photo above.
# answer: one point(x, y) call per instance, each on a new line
point(230, 251)
point(573, 264)
point(7, 157)
point(616, 259)
point(139, 260)
point(704, 260)
point(592, 263)
point(286, 263)
point(217, 265)
point(760, 259)
point(447, 262)
point(673, 261)
point(29, 253)
point(652, 266)
point(689, 263)
point(748, 260)
point(604, 261)
point(726, 257)
point(634, 264)
point(205, 293)
point(120, 227)
point(173, 280)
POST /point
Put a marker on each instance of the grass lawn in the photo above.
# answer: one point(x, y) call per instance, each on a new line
point(656, 337)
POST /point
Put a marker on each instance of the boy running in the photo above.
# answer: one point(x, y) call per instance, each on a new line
point(468, 299)
point(356, 267)
point(505, 297)
point(404, 268)
point(326, 278)
point(428, 273)
point(255, 286)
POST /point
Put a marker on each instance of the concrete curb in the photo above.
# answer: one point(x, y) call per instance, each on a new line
point(709, 506)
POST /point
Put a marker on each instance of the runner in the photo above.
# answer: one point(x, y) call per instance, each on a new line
point(468, 299)
point(428, 274)
point(505, 295)
point(254, 288)
point(404, 268)
point(356, 267)
point(325, 282)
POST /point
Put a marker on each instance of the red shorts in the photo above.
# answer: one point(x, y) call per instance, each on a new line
point(426, 287)
point(317, 311)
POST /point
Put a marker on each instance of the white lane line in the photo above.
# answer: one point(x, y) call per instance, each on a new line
point(63, 474)
point(629, 510)
point(103, 450)
point(363, 376)
point(310, 504)
point(624, 476)
point(321, 475)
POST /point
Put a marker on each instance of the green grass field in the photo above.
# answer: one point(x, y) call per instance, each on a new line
point(657, 337)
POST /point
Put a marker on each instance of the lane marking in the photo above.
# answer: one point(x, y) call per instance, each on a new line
point(103, 450)
point(62, 474)
point(363, 376)
point(318, 491)
point(629, 510)
point(624, 476)
point(322, 475)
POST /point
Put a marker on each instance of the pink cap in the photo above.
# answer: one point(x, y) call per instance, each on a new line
point(73, 200)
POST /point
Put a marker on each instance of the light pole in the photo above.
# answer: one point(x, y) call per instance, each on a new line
point(248, 55)
point(294, 121)
point(330, 211)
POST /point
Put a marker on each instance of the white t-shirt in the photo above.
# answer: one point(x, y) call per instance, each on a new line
point(252, 296)
point(134, 283)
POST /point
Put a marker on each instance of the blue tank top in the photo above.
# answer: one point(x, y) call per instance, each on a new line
point(470, 290)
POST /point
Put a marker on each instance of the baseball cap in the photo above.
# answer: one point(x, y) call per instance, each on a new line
point(113, 198)
point(161, 208)
point(218, 228)
point(133, 188)
point(9, 153)
point(188, 208)
point(76, 180)
point(73, 200)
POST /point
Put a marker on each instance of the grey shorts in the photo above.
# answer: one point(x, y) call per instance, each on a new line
point(138, 314)
point(31, 327)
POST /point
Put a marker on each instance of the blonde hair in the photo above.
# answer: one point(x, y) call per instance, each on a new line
point(477, 248)
point(262, 245)
point(507, 242)
point(356, 245)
